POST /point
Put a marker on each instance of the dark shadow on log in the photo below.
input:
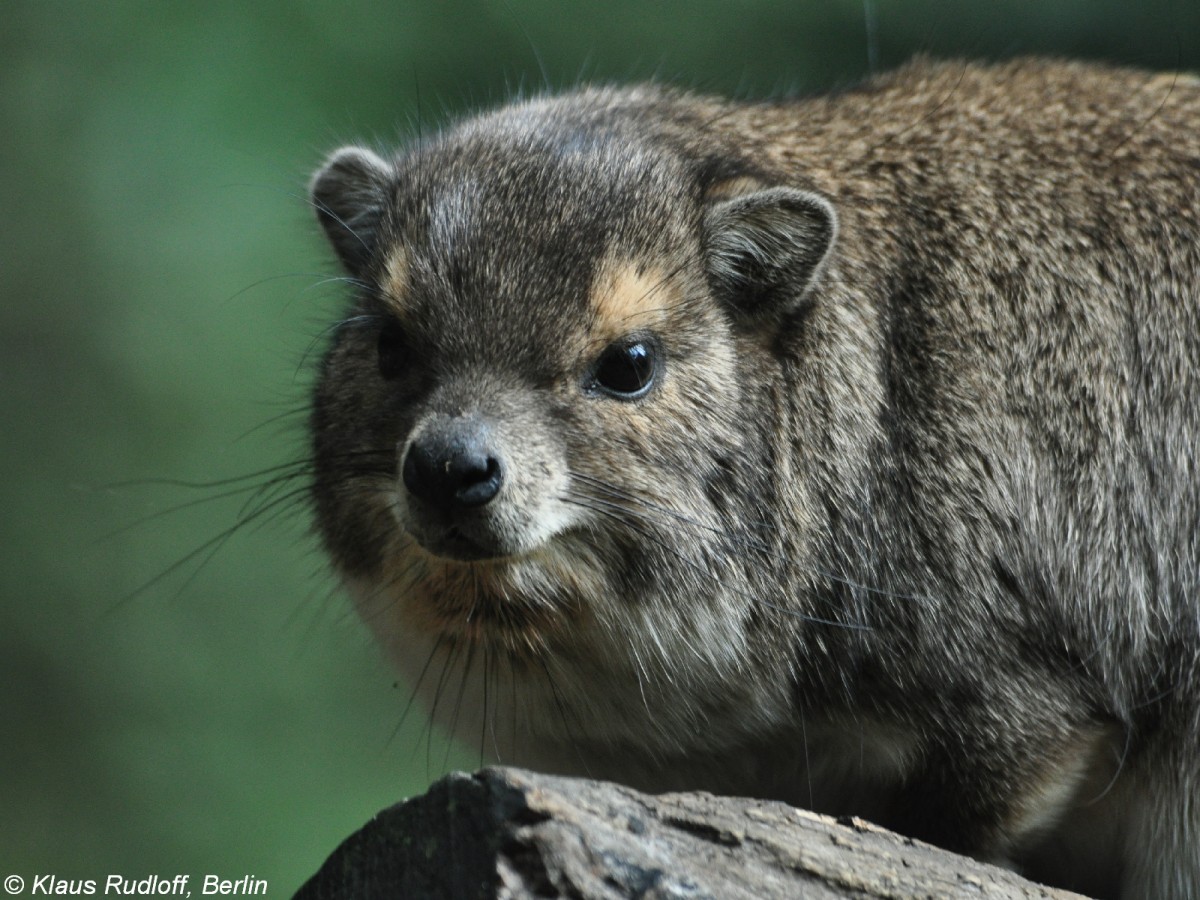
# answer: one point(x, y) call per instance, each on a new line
point(510, 833)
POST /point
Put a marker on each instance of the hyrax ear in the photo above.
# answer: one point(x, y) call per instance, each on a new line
point(349, 193)
point(764, 249)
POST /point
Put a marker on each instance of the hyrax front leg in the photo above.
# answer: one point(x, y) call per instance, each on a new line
point(1001, 791)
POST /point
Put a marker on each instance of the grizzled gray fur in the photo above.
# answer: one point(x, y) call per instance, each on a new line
point(837, 450)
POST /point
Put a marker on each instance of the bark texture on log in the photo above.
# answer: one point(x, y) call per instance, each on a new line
point(510, 833)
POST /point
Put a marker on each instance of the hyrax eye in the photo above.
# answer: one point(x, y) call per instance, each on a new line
point(391, 349)
point(626, 369)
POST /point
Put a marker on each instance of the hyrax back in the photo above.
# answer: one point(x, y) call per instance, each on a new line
point(838, 450)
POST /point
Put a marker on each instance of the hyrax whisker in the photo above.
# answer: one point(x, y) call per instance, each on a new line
point(273, 493)
point(458, 702)
point(199, 501)
point(319, 280)
point(301, 467)
point(574, 741)
point(372, 610)
point(297, 413)
point(486, 718)
point(247, 517)
point(699, 567)
point(326, 214)
point(415, 687)
point(449, 662)
point(739, 539)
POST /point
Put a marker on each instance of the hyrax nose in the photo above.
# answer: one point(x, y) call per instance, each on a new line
point(451, 464)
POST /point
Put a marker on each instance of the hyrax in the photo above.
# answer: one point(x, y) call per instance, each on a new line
point(839, 450)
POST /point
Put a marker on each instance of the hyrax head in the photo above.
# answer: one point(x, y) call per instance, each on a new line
point(534, 407)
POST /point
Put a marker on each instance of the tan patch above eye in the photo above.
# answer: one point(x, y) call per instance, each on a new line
point(627, 297)
point(394, 286)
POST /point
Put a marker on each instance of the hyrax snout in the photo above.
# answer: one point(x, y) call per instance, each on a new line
point(837, 450)
point(470, 484)
point(452, 469)
point(453, 466)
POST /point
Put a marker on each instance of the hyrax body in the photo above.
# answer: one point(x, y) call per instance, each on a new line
point(839, 450)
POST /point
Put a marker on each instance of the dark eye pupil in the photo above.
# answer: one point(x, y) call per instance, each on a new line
point(626, 369)
point(391, 350)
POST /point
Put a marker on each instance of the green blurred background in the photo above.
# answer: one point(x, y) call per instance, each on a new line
point(167, 711)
